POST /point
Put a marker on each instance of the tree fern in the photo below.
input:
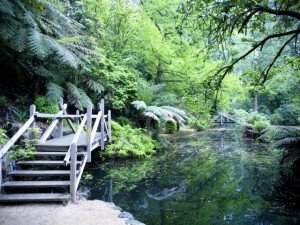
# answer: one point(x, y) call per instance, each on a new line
point(38, 44)
point(6, 7)
point(282, 136)
point(139, 105)
point(78, 97)
point(42, 71)
point(54, 92)
point(165, 113)
point(95, 86)
point(19, 41)
point(51, 46)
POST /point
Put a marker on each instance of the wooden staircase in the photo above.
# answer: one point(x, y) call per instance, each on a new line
point(54, 171)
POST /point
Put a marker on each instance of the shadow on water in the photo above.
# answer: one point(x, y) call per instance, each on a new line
point(211, 177)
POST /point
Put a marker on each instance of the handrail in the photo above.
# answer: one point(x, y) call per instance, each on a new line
point(81, 172)
point(46, 115)
point(52, 126)
point(65, 112)
point(96, 124)
point(75, 139)
point(17, 135)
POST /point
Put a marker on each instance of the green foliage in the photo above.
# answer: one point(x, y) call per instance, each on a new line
point(43, 105)
point(129, 142)
point(161, 113)
point(170, 127)
point(253, 119)
point(18, 115)
point(87, 176)
point(282, 136)
point(23, 152)
point(123, 121)
point(3, 137)
point(200, 124)
point(27, 149)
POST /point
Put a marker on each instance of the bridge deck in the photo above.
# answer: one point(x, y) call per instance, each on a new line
point(66, 141)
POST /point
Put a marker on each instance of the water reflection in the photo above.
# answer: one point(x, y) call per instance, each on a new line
point(212, 177)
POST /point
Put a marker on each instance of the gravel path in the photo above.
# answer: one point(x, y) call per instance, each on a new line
point(82, 213)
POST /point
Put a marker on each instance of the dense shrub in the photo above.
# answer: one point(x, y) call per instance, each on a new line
point(200, 124)
point(43, 106)
point(170, 127)
point(129, 142)
point(253, 122)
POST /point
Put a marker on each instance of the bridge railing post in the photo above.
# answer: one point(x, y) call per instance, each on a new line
point(109, 125)
point(0, 175)
point(73, 169)
point(88, 133)
point(60, 123)
point(32, 112)
point(102, 123)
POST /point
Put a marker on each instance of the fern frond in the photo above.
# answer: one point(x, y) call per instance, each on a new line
point(67, 56)
point(42, 71)
point(54, 92)
point(38, 43)
point(19, 41)
point(74, 96)
point(95, 86)
point(6, 7)
point(287, 141)
point(176, 111)
point(28, 19)
point(78, 97)
point(139, 105)
point(85, 101)
point(150, 115)
point(8, 26)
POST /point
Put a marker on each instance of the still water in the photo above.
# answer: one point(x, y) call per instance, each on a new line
point(212, 177)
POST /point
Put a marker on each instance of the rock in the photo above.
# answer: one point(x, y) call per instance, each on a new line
point(135, 222)
point(126, 215)
point(118, 208)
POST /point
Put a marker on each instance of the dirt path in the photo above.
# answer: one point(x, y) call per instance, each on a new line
point(83, 213)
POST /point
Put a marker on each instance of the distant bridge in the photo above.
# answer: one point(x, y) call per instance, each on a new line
point(224, 118)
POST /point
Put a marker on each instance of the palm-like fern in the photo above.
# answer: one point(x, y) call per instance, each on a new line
point(161, 113)
point(283, 136)
point(49, 44)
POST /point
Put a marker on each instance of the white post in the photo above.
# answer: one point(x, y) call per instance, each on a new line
point(32, 112)
point(109, 125)
point(0, 175)
point(60, 123)
point(77, 119)
point(221, 119)
point(102, 123)
point(73, 169)
point(88, 133)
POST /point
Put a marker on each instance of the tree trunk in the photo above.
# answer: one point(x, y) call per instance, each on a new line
point(255, 107)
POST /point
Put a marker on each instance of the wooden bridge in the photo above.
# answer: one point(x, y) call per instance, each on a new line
point(225, 118)
point(55, 170)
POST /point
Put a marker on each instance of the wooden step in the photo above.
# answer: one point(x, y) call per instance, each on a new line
point(48, 197)
point(55, 153)
point(40, 173)
point(35, 184)
point(44, 163)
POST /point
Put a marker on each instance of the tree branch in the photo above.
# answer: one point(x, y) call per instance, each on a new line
point(225, 70)
point(267, 69)
point(289, 13)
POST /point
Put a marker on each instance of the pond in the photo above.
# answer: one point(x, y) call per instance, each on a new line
point(211, 177)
